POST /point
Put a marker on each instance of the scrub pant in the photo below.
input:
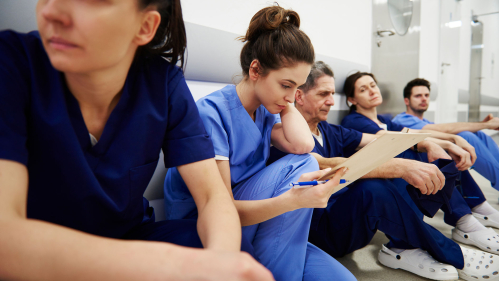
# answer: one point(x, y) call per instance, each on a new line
point(466, 195)
point(487, 152)
point(179, 232)
point(281, 242)
point(350, 222)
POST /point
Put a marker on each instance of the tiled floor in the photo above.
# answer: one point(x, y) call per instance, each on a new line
point(364, 264)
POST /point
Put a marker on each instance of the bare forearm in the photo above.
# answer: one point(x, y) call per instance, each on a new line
point(296, 130)
point(389, 170)
point(218, 224)
point(257, 211)
point(36, 250)
point(436, 134)
point(455, 128)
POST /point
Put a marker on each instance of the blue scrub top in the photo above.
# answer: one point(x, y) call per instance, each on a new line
point(235, 135)
point(411, 121)
point(96, 189)
point(363, 124)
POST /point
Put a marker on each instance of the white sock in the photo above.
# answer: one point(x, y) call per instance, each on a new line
point(469, 223)
point(484, 209)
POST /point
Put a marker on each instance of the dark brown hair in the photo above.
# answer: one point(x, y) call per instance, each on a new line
point(275, 40)
point(414, 83)
point(170, 40)
point(349, 87)
point(318, 70)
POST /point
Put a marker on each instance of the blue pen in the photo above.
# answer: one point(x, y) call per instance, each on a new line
point(309, 183)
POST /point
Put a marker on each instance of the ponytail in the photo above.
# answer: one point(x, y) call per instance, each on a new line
point(170, 40)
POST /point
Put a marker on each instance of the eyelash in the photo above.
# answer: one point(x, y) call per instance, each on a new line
point(285, 87)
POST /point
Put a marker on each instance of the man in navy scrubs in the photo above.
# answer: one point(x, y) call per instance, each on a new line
point(417, 101)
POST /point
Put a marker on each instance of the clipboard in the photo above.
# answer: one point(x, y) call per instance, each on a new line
point(374, 154)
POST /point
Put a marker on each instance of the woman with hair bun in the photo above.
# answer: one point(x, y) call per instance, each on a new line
point(244, 120)
point(87, 104)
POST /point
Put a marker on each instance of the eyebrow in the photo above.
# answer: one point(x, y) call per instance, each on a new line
point(290, 81)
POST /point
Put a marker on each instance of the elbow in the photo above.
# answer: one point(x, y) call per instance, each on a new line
point(305, 147)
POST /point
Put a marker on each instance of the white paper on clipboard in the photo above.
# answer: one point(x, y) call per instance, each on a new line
point(377, 152)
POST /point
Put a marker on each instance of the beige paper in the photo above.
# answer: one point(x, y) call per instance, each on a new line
point(377, 152)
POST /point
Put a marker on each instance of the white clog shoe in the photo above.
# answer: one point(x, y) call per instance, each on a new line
point(487, 239)
point(418, 262)
point(486, 220)
point(479, 265)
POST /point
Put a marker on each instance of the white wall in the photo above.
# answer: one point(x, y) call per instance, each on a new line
point(430, 44)
point(340, 29)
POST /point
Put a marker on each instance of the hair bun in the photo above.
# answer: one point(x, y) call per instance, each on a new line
point(269, 19)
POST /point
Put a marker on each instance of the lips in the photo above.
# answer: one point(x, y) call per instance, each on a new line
point(281, 106)
point(61, 44)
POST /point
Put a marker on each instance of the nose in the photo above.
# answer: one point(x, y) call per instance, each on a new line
point(290, 98)
point(330, 100)
point(55, 11)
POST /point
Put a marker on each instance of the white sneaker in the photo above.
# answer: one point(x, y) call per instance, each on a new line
point(487, 239)
point(418, 262)
point(479, 265)
point(486, 220)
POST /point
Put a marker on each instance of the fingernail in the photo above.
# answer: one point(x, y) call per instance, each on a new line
point(345, 170)
point(327, 169)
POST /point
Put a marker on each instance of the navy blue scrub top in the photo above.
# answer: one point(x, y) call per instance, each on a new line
point(363, 124)
point(338, 142)
point(97, 189)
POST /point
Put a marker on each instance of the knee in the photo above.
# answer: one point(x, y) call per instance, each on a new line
point(303, 163)
point(468, 136)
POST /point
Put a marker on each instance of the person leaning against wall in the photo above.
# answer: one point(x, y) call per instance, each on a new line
point(86, 106)
point(245, 121)
point(417, 101)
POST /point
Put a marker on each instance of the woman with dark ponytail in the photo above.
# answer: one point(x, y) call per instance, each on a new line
point(87, 104)
point(244, 120)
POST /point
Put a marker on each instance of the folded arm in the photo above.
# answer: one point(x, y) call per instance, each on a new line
point(293, 134)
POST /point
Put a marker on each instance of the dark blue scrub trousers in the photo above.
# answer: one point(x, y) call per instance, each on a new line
point(351, 219)
point(466, 195)
point(487, 152)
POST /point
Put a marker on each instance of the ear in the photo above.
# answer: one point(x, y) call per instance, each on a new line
point(254, 70)
point(406, 101)
point(148, 28)
point(351, 100)
point(299, 97)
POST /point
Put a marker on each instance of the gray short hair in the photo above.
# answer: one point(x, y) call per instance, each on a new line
point(318, 70)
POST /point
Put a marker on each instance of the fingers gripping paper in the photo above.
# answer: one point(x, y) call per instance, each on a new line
point(377, 152)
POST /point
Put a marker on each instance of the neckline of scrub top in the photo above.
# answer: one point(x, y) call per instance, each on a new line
point(259, 113)
point(377, 125)
point(110, 127)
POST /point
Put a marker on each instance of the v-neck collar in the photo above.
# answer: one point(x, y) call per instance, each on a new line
point(259, 113)
point(110, 128)
point(370, 119)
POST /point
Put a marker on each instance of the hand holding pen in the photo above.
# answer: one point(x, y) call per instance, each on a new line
point(302, 184)
point(318, 196)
